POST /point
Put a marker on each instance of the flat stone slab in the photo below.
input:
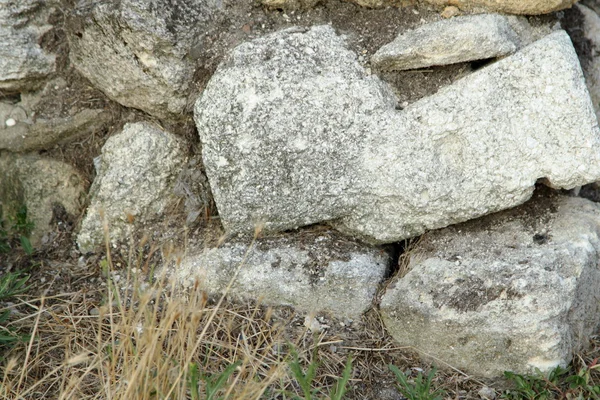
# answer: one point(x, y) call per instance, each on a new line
point(513, 291)
point(137, 171)
point(295, 132)
point(460, 39)
point(315, 272)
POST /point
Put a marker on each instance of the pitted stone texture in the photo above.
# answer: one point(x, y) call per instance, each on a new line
point(314, 272)
point(137, 173)
point(295, 132)
point(513, 291)
point(460, 39)
point(23, 63)
point(524, 7)
point(136, 51)
point(50, 189)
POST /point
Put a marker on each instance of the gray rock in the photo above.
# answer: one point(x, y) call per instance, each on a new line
point(513, 291)
point(24, 128)
point(136, 51)
point(450, 41)
point(23, 63)
point(311, 271)
point(134, 185)
point(295, 132)
point(48, 188)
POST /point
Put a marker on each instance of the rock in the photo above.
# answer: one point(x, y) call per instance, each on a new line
point(375, 3)
point(36, 126)
point(295, 132)
point(460, 39)
point(48, 188)
point(591, 67)
point(134, 185)
point(23, 63)
point(314, 272)
point(513, 291)
point(524, 7)
point(450, 11)
point(136, 51)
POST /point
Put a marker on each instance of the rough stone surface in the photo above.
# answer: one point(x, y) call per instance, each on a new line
point(138, 168)
point(524, 7)
point(513, 291)
point(591, 68)
point(24, 127)
point(460, 39)
point(311, 271)
point(295, 132)
point(49, 188)
point(137, 52)
point(23, 63)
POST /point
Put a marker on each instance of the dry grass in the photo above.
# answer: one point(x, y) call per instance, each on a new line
point(141, 337)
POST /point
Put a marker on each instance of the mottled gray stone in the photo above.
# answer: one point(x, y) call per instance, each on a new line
point(23, 63)
point(450, 41)
point(295, 132)
point(314, 272)
point(513, 291)
point(136, 51)
point(50, 189)
point(138, 168)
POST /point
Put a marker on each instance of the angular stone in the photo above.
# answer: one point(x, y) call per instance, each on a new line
point(460, 39)
point(48, 188)
point(23, 63)
point(314, 272)
point(513, 291)
point(524, 7)
point(295, 132)
point(137, 52)
point(138, 168)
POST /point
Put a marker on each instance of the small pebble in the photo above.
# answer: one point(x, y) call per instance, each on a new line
point(10, 122)
point(450, 11)
point(94, 311)
point(487, 393)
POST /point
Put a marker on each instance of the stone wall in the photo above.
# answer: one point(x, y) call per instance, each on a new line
point(304, 140)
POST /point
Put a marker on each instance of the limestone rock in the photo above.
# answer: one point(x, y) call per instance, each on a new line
point(513, 291)
point(23, 63)
point(48, 188)
point(314, 272)
point(524, 7)
point(295, 132)
point(136, 51)
point(134, 184)
point(460, 39)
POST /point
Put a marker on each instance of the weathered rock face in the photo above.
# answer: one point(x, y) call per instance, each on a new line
point(460, 39)
point(513, 291)
point(136, 51)
point(48, 188)
point(311, 271)
point(591, 68)
point(295, 132)
point(134, 184)
point(23, 63)
point(24, 128)
point(525, 7)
